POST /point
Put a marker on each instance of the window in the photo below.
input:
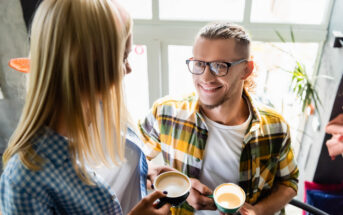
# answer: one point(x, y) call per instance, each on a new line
point(290, 11)
point(168, 28)
point(273, 63)
point(202, 10)
point(136, 83)
point(139, 9)
point(178, 72)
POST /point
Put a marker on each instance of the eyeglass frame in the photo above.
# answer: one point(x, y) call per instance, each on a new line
point(228, 64)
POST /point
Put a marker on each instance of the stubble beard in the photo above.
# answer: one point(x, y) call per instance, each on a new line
point(222, 101)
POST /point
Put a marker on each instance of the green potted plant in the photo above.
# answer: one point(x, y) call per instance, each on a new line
point(302, 85)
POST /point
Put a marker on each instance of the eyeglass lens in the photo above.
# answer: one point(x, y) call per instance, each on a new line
point(198, 67)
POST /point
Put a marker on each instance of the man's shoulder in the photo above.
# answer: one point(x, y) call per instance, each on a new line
point(172, 100)
point(187, 103)
point(267, 111)
point(271, 119)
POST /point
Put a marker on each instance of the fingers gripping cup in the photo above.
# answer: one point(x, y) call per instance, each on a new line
point(229, 197)
point(176, 184)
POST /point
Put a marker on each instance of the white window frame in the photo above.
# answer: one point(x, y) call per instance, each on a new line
point(157, 34)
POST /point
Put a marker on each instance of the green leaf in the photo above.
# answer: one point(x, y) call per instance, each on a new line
point(317, 97)
point(280, 36)
point(292, 35)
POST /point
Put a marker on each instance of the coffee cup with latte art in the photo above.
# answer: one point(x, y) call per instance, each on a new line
point(229, 197)
point(176, 184)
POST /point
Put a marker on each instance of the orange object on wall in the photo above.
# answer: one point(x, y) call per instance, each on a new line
point(20, 64)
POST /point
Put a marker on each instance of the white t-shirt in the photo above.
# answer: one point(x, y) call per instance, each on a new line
point(124, 180)
point(222, 155)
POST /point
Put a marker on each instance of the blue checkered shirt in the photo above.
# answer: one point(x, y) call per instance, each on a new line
point(55, 189)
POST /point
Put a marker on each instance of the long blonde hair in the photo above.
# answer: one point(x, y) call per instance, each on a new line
point(76, 61)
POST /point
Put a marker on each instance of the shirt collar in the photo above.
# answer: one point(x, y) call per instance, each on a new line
point(256, 121)
point(51, 145)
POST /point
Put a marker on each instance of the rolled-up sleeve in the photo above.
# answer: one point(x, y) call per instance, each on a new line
point(150, 134)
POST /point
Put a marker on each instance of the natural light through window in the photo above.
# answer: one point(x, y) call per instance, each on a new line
point(232, 10)
point(180, 79)
point(136, 83)
point(274, 61)
point(139, 9)
point(289, 11)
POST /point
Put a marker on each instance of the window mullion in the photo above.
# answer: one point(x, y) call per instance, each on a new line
point(154, 71)
point(247, 12)
point(155, 11)
point(165, 69)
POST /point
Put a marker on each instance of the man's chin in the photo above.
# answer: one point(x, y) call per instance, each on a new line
point(210, 105)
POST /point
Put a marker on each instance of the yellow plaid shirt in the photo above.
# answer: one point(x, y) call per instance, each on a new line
point(176, 128)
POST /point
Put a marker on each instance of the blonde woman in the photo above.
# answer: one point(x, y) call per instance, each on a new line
point(77, 53)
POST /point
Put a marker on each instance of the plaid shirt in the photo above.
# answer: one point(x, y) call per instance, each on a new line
point(176, 128)
point(56, 188)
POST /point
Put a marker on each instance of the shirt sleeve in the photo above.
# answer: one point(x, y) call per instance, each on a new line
point(15, 201)
point(150, 133)
point(117, 207)
point(287, 172)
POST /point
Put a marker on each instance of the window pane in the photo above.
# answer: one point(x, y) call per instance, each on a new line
point(289, 11)
point(139, 9)
point(273, 61)
point(202, 10)
point(180, 79)
point(136, 83)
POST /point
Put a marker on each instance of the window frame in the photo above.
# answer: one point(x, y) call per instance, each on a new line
point(158, 34)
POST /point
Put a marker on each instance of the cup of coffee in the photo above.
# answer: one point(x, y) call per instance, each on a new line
point(229, 197)
point(176, 184)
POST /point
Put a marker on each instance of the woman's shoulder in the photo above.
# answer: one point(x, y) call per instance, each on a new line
point(17, 176)
point(53, 153)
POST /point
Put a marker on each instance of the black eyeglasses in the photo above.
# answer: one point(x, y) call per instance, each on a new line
point(197, 67)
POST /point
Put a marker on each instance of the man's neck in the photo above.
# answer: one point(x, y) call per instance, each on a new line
point(235, 111)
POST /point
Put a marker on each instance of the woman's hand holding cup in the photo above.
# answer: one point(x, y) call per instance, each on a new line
point(147, 205)
point(175, 184)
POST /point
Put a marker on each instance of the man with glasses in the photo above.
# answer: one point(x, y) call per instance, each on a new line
point(219, 134)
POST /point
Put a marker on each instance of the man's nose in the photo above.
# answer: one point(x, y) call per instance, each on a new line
point(207, 75)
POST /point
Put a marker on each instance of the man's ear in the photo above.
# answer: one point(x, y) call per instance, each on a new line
point(249, 69)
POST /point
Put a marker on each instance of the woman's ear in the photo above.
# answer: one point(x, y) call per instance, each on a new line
point(249, 69)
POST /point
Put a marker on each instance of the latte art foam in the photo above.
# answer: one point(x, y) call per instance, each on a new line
point(175, 185)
